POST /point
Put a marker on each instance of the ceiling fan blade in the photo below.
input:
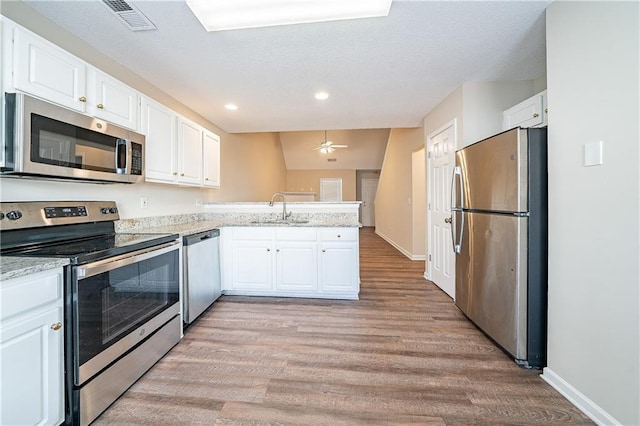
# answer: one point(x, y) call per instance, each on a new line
point(339, 146)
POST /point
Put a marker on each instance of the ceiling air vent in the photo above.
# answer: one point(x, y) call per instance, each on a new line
point(130, 15)
point(332, 160)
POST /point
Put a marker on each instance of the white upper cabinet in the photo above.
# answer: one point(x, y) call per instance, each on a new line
point(177, 150)
point(112, 100)
point(531, 112)
point(189, 152)
point(211, 159)
point(43, 69)
point(158, 123)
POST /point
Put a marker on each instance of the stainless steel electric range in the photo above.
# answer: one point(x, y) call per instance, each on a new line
point(122, 294)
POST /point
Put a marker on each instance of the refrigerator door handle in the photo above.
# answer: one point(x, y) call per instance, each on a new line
point(455, 209)
point(458, 247)
point(457, 171)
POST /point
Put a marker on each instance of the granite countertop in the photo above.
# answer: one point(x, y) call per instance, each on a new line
point(195, 227)
point(14, 267)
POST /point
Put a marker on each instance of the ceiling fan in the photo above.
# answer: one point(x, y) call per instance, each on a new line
point(327, 146)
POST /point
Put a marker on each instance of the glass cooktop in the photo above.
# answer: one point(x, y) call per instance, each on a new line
point(97, 248)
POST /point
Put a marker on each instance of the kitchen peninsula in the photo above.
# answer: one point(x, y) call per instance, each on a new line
point(303, 249)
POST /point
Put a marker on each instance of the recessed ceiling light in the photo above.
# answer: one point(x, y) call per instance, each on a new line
point(321, 96)
point(236, 14)
point(231, 107)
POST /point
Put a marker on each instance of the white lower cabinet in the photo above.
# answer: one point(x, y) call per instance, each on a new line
point(252, 267)
point(291, 261)
point(31, 350)
point(339, 261)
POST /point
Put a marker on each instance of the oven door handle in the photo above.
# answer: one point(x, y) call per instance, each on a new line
point(112, 263)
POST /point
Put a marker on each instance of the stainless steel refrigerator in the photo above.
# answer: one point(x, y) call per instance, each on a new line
point(499, 232)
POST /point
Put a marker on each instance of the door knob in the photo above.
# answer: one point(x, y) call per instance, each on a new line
point(447, 220)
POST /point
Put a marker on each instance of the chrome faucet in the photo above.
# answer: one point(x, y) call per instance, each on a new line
point(285, 215)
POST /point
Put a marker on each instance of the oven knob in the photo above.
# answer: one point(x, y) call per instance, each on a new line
point(104, 210)
point(14, 215)
point(113, 210)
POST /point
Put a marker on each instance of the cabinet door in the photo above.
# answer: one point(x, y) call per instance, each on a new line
point(528, 113)
point(46, 71)
point(31, 350)
point(252, 265)
point(297, 266)
point(339, 267)
point(158, 123)
point(189, 153)
point(112, 100)
point(211, 159)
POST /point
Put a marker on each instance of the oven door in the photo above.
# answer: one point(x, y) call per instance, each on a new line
point(119, 302)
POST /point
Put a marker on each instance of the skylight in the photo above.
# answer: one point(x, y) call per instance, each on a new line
point(219, 15)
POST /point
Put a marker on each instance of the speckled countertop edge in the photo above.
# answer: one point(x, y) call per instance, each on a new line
point(14, 266)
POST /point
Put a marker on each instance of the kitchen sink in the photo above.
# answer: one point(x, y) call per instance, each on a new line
point(280, 222)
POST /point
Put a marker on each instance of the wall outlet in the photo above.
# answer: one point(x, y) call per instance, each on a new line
point(198, 202)
point(144, 202)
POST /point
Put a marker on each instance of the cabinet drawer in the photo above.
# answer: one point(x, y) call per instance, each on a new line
point(22, 294)
point(340, 234)
point(296, 234)
point(253, 233)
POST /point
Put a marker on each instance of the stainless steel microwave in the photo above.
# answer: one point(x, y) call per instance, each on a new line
point(45, 140)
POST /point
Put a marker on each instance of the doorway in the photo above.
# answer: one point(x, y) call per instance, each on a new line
point(441, 147)
point(330, 189)
point(369, 188)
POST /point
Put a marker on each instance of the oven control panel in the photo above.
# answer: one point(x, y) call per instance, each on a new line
point(51, 212)
point(32, 214)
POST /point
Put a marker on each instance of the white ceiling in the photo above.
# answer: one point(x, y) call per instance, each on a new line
point(380, 72)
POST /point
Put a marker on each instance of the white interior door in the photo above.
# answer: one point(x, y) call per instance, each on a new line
point(369, 188)
point(441, 146)
point(330, 189)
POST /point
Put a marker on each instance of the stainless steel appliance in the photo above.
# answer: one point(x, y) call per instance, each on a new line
point(122, 307)
point(499, 231)
point(202, 285)
point(45, 140)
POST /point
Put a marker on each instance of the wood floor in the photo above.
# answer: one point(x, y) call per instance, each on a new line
point(402, 354)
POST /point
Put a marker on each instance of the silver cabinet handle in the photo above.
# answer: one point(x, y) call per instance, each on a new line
point(447, 220)
point(268, 249)
point(536, 115)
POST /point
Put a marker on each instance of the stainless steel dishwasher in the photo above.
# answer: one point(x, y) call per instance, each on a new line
point(201, 277)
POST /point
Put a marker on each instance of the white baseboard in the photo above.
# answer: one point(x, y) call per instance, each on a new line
point(400, 249)
point(577, 398)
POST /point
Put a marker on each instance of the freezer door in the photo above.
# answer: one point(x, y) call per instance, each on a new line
point(491, 277)
point(494, 173)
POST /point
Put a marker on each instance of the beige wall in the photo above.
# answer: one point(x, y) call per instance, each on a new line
point(593, 60)
point(309, 181)
point(252, 165)
point(252, 170)
point(393, 209)
point(419, 201)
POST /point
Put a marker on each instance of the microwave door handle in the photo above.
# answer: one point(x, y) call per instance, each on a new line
point(121, 156)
